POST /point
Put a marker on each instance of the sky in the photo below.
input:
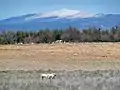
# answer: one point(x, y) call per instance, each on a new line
point(11, 8)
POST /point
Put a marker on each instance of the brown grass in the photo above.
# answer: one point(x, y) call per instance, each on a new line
point(86, 56)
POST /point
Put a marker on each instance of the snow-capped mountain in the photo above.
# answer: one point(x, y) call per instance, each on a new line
point(63, 13)
point(60, 19)
point(99, 15)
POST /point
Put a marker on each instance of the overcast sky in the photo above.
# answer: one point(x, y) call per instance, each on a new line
point(9, 8)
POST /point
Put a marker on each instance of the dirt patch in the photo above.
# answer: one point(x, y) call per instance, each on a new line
point(69, 56)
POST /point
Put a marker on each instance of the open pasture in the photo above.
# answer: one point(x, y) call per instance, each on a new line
point(60, 56)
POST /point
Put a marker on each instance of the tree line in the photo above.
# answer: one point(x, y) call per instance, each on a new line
point(70, 34)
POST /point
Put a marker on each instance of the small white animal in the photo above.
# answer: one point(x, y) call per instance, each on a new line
point(49, 76)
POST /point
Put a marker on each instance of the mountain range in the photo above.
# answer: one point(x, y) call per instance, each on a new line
point(60, 19)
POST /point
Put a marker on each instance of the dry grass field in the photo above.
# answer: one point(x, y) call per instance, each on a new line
point(69, 56)
point(79, 66)
point(65, 80)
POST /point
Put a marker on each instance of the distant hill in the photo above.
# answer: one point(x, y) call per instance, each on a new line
point(60, 19)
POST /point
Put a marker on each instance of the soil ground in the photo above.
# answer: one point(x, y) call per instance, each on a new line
point(68, 56)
